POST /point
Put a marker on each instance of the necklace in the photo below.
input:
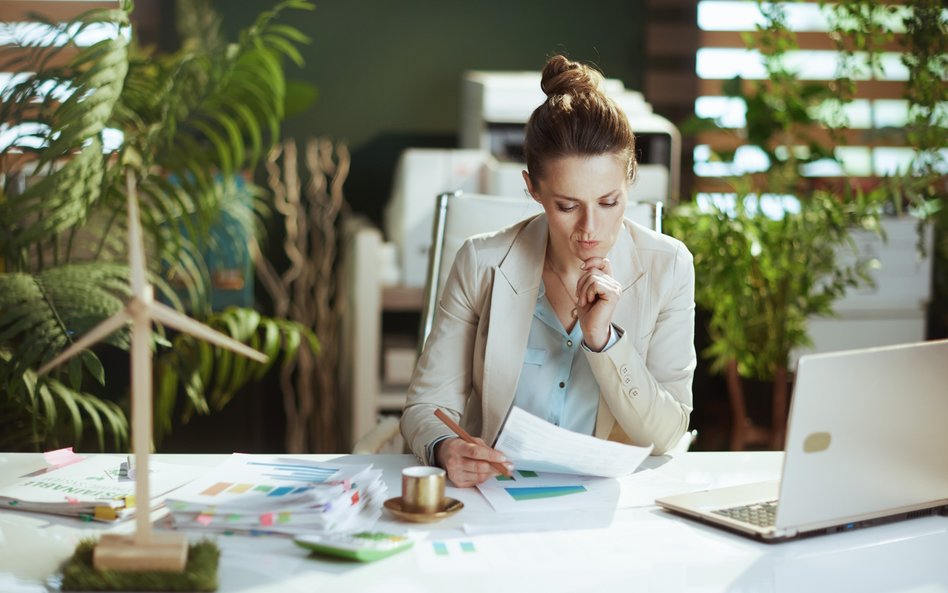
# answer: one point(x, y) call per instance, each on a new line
point(575, 312)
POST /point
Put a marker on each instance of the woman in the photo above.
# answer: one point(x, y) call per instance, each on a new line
point(577, 315)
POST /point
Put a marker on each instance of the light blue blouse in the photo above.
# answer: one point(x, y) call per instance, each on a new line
point(556, 383)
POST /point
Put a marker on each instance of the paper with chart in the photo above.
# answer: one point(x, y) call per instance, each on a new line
point(535, 444)
point(528, 490)
point(288, 495)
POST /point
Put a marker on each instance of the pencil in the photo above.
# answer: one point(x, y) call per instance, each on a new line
point(500, 467)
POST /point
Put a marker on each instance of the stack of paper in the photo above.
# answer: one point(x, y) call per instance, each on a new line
point(262, 494)
point(91, 488)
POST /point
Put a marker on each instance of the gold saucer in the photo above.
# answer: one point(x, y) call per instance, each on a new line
point(451, 506)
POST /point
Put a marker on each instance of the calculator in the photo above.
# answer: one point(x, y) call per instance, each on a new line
point(363, 546)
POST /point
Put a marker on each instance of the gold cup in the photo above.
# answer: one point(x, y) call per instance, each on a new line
point(422, 489)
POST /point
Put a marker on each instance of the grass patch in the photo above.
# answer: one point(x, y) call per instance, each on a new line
point(200, 573)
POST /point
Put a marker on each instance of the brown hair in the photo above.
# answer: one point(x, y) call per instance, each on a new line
point(577, 119)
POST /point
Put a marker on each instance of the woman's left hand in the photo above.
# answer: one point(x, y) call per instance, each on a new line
point(597, 295)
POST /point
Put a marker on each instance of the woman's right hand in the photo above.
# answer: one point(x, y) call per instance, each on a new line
point(468, 464)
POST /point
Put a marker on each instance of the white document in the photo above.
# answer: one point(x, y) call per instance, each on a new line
point(91, 488)
point(535, 444)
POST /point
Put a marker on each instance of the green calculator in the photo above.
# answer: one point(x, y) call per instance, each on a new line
point(364, 546)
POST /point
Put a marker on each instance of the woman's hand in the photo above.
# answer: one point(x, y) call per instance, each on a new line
point(597, 295)
point(467, 463)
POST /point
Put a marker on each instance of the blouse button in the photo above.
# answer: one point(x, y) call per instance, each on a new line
point(562, 385)
point(569, 343)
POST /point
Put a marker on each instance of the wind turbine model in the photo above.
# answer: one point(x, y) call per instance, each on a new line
point(144, 550)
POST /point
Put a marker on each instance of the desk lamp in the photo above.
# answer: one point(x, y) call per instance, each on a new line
point(144, 550)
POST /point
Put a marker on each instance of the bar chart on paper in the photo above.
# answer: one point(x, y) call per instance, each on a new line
point(530, 490)
point(274, 472)
point(521, 494)
point(259, 483)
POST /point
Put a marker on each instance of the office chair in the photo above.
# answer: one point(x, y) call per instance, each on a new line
point(458, 216)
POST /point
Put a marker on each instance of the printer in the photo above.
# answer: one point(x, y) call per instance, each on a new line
point(495, 107)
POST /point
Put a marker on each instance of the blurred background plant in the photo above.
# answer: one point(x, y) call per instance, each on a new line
point(779, 249)
point(189, 125)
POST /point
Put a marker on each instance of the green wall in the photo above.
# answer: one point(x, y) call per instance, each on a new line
point(389, 72)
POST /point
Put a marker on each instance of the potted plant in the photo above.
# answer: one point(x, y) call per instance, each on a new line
point(778, 250)
point(188, 123)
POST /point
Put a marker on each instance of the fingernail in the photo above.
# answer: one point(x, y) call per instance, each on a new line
point(582, 266)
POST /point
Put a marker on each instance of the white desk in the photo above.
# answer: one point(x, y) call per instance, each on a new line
point(640, 549)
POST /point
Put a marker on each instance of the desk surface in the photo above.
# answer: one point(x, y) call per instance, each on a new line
point(641, 549)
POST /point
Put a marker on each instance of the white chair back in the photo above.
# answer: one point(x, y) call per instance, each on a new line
point(460, 215)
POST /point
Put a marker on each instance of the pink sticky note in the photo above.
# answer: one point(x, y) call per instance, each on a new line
point(61, 457)
point(346, 484)
point(266, 519)
point(72, 500)
point(204, 520)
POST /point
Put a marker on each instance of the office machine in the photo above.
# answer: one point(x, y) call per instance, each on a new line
point(495, 107)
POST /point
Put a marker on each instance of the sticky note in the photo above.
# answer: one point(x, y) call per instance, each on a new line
point(204, 519)
point(266, 519)
point(105, 514)
point(61, 457)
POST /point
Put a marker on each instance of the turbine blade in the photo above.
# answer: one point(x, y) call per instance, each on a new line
point(89, 338)
point(168, 316)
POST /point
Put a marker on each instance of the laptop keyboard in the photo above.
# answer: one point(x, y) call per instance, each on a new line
point(761, 514)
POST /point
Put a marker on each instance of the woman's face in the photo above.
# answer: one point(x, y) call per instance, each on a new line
point(585, 200)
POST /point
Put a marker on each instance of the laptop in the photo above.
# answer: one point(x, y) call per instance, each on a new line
point(867, 443)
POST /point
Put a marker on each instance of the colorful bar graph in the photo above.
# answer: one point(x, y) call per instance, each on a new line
point(217, 488)
point(521, 494)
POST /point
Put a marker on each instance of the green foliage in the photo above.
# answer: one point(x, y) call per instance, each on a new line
point(190, 122)
point(781, 251)
point(210, 376)
point(200, 573)
point(761, 277)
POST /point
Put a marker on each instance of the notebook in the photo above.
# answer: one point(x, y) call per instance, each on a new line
point(867, 443)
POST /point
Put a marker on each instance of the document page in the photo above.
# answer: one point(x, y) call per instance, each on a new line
point(535, 444)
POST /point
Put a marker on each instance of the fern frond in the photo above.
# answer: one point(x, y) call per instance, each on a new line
point(63, 196)
point(41, 314)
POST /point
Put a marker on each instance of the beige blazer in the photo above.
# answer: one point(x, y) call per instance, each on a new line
point(473, 357)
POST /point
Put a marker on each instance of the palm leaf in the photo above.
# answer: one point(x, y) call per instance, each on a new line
point(48, 413)
point(210, 377)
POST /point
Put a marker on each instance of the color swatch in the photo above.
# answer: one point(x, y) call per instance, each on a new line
point(523, 473)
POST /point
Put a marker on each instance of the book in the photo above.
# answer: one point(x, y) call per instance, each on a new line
point(280, 495)
point(92, 488)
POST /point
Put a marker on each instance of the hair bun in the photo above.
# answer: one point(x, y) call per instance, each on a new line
point(566, 77)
